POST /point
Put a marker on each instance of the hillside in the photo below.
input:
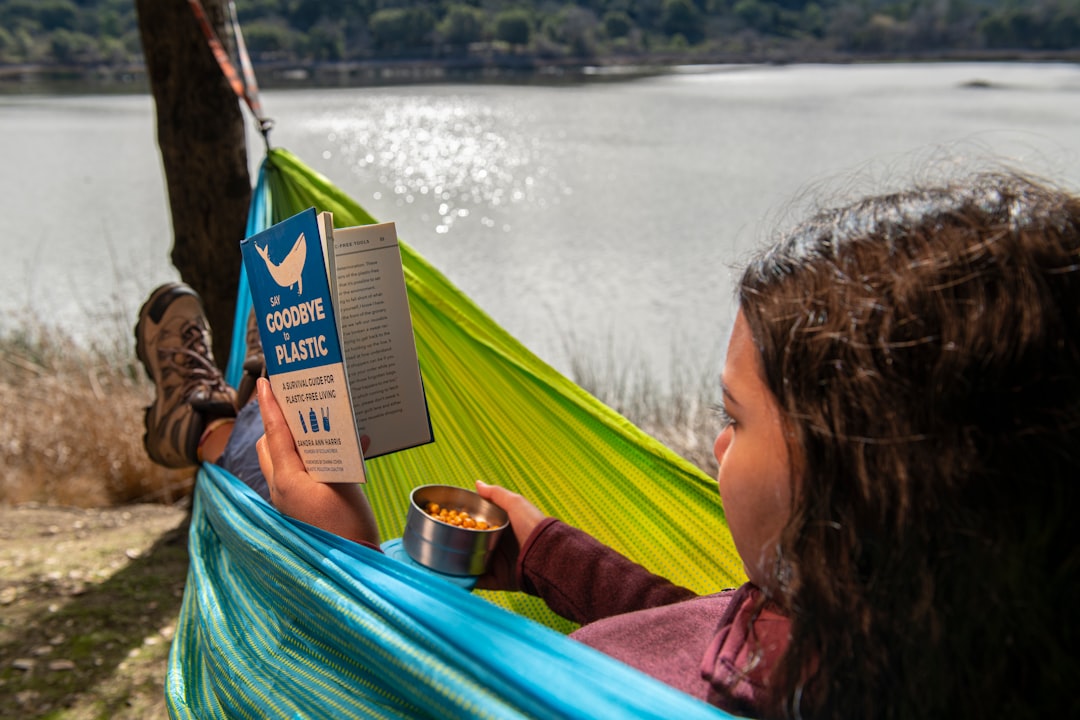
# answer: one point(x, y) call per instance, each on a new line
point(356, 41)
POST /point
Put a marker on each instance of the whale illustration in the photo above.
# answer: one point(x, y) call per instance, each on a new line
point(289, 271)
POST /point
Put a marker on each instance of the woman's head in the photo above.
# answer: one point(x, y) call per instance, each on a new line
point(924, 351)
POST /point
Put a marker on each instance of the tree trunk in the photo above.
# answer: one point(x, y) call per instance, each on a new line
point(200, 129)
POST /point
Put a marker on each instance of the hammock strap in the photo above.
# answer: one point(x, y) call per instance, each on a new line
point(244, 85)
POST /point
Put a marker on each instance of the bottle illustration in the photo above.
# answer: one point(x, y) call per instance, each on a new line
point(302, 423)
point(313, 420)
point(326, 419)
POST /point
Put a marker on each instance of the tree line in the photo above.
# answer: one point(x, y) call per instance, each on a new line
point(105, 32)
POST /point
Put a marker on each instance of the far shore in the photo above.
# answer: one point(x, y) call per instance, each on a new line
point(493, 68)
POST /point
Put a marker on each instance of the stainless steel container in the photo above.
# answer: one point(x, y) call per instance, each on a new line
point(449, 548)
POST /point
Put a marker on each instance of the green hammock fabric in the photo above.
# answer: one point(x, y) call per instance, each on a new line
point(499, 414)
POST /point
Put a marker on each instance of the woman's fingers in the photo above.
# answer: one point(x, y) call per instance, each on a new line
point(276, 449)
point(266, 464)
point(524, 516)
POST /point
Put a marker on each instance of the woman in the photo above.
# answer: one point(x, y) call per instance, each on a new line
point(925, 350)
point(903, 385)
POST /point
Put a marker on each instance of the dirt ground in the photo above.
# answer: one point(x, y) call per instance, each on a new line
point(88, 604)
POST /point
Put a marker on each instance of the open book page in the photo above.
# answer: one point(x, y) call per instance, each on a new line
point(295, 313)
point(377, 337)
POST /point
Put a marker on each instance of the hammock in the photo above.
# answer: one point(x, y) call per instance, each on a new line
point(281, 619)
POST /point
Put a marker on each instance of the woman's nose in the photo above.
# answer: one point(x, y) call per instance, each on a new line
point(723, 441)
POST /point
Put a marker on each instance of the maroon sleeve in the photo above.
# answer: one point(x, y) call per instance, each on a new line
point(584, 580)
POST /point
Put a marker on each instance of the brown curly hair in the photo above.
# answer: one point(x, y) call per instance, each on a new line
point(924, 348)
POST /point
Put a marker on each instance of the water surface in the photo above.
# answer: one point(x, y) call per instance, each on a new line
point(606, 218)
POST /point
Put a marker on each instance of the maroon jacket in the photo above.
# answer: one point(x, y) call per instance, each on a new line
point(709, 646)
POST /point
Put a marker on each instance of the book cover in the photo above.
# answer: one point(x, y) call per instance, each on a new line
point(293, 304)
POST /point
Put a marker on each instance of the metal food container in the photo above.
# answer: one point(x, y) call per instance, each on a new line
point(449, 548)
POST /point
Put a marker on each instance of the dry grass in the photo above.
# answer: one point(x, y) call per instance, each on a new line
point(71, 430)
point(681, 415)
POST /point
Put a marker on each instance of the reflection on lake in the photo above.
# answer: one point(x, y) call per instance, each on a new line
point(609, 216)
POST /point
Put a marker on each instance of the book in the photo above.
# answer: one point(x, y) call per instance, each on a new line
point(333, 316)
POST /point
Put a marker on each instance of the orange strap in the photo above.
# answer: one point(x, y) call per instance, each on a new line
point(246, 87)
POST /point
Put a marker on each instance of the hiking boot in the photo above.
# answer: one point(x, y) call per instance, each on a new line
point(254, 362)
point(173, 342)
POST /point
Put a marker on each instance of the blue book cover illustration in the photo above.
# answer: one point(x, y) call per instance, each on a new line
point(286, 269)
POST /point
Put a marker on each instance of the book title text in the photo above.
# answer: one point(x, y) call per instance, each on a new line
point(284, 320)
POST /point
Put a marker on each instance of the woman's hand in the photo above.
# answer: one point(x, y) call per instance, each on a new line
point(524, 517)
point(340, 508)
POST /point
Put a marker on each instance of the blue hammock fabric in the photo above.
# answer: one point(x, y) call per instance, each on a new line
point(280, 619)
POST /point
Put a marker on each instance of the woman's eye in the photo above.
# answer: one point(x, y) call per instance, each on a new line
point(726, 420)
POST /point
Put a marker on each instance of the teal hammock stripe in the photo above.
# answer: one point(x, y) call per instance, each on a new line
point(282, 620)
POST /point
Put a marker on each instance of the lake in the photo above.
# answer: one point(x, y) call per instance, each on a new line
point(599, 222)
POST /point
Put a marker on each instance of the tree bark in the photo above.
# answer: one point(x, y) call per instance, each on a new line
point(200, 131)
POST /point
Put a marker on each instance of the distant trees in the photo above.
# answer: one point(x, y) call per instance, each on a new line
point(682, 17)
point(462, 26)
point(104, 31)
point(573, 28)
point(402, 30)
point(66, 32)
point(514, 27)
point(617, 24)
point(1044, 26)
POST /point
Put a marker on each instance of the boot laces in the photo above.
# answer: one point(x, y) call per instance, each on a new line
point(191, 361)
